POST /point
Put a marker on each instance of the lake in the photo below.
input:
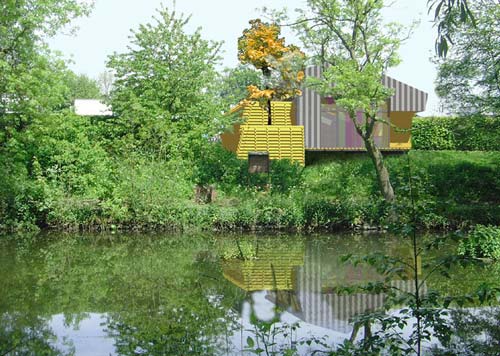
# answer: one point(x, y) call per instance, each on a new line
point(196, 294)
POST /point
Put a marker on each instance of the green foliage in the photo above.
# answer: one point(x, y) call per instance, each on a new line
point(468, 79)
point(354, 54)
point(285, 176)
point(220, 166)
point(446, 14)
point(234, 82)
point(33, 87)
point(481, 242)
point(82, 87)
point(151, 193)
point(163, 93)
point(469, 133)
point(433, 134)
point(454, 188)
point(425, 310)
point(25, 69)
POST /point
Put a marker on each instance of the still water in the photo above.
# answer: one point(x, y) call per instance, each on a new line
point(121, 294)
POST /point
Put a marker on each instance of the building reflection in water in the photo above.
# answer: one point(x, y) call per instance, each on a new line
point(301, 278)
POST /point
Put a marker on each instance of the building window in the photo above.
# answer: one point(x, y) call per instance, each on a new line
point(337, 130)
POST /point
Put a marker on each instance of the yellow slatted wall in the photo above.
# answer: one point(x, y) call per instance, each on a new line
point(281, 113)
point(282, 142)
point(282, 139)
point(254, 114)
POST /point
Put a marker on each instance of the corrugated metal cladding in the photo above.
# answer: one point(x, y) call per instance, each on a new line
point(406, 97)
point(308, 109)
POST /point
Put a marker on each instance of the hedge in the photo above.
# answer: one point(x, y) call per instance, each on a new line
point(473, 133)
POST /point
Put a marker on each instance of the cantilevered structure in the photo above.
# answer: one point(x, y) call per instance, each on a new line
point(328, 127)
point(315, 123)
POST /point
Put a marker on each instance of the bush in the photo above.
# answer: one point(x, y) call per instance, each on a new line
point(433, 134)
point(471, 133)
point(220, 166)
point(482, 242)
point(285, 175)
point(320, 212)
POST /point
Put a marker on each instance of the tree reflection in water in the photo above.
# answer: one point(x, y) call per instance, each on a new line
point(189, 295)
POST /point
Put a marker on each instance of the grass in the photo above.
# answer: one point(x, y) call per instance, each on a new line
point(453, 189)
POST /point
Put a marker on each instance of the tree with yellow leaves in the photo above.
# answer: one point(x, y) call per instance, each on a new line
point(282, 66)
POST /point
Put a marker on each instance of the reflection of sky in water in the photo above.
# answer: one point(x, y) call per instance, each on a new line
point(88, 337)
point(264, 310)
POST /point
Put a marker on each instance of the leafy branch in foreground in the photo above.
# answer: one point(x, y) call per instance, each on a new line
point(425, 313)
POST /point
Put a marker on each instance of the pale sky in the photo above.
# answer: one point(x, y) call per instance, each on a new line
point(108, 27)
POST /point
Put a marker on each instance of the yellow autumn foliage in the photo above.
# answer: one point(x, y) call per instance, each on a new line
point(259, 42)
point(281, 65)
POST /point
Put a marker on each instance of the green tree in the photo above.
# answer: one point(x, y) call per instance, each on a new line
point(32, 86)
point(164, 92)
point(468, 80)
point(81, 86)
point(355, 48)
point(234, 82)
point(24, 27)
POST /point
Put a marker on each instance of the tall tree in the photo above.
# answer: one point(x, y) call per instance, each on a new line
point(81, 86)
point(32, 86)
point(281, 65)
point(468, 79)
point(24, 27)
point(355, 49)
point(162, 93)
point(105, 81)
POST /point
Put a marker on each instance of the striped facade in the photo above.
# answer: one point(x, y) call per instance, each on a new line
point(307, 111)
point(328, 309)
point(301, 281)
point(329, 127)
point(406, 97)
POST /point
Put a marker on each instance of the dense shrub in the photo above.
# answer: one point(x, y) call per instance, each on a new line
point(320, 212)
point(451, 189)
point(218, 165)
point(285, 175)
point(221, 167)
point(472, 133)
point(434, 133)
point(482, 241)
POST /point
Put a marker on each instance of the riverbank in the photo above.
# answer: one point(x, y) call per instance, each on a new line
point(452, 189)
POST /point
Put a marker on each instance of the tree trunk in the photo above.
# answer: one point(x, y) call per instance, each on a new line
point(266, 71)
point(382, 173)
point(269, 113)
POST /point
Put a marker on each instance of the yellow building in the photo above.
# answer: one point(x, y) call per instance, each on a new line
point(283, 139)
point(271, 267)
point(315, 123)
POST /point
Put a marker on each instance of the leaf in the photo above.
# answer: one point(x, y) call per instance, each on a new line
point(250, 342)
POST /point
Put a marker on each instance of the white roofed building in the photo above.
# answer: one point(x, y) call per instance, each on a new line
point(91, 107)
